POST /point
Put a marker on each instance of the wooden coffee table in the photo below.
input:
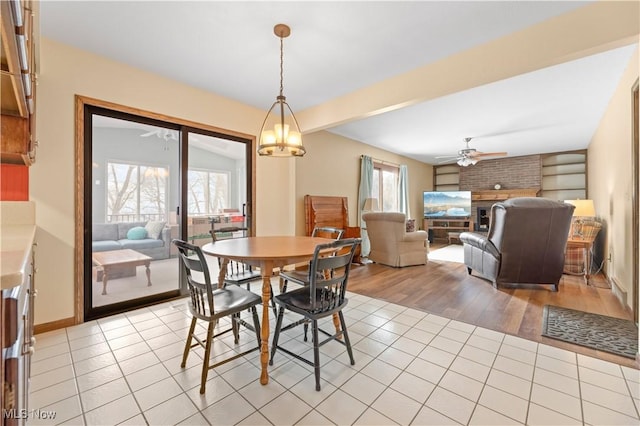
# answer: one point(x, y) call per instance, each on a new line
point(115, 260)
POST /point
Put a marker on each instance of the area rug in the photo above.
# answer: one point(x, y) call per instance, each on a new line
point(450, 253)
point(609, 334)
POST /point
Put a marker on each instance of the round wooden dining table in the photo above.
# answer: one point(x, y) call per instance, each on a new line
point(266, 253)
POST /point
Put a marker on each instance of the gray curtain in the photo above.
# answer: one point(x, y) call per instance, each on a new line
point(403, 191)
point(366, 182)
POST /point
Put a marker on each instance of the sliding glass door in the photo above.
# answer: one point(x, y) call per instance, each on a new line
point(140, 175)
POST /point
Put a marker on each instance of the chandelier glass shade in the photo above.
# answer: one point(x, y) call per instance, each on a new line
point(466, 161)
point(280, 134)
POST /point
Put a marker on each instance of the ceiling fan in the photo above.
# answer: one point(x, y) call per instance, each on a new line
point(470, 156)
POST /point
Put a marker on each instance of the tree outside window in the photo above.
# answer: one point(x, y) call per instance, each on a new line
point(208, 192)
point(136, 192)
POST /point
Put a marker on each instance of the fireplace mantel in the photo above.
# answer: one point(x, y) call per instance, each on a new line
point(503, 194)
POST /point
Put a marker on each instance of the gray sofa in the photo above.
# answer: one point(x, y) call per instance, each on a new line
point(113, 236)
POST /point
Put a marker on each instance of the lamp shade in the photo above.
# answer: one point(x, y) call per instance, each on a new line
point(584, 208)
point(370, 205)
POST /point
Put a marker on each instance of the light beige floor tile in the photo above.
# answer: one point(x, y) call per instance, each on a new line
point(394, 327)
point(542, 416)
point(51, 338)
point(157, 393)
point(83, 342)
point(259, 395)
point(613, 383)
point(56, 413)
point(437, 356)
point(557, 366)
point(288, 373)
point(150, 333)
point(104, 394)
point(483, 416)
point(172, 411)
point(134, 421)
point(90, 352)
point(489, 334)
point(396, 357)
point(82, 330)
point(313, 419)
point(598, 415)
point(426, 370)
point(398, 407)
point(124, 341)
point(461, 385)
point(93, 364)
point(429, 416)
point(420, 336)
point(484, 343)
point(369, 418)
point(462, 326)
point(557, 381)
point(410, 346)
point(478, 355)
point(140, 362)
point(631, 374)
point(148, 376)
point(470, 368)
point(340, 408)
point(241, 376)
point(381, 371)
point(98, 377)
point(517, 368)
point(199, 420)
point(119, 332)
point(116, 321)
point(42, 353)
point(504, 403)
point(451, 405)
point(600, 365)
point(446, 344)
point(53, 394)
point(216, 389)
point(518, 354)
point(509, 383)
point(519, 342)
point(557, 401)
point(363, 388)
point(50, 364)
point(413, 387)
point(334, 372)
point(454, 334)
point(113, 412)
point(429, 326)
point(608, 399)
point(52, 377)
point(557, 353)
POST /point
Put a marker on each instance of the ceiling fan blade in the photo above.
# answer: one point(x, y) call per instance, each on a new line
point(447, 156)
point(151, 133)
point(453, 160)
point(489, 154)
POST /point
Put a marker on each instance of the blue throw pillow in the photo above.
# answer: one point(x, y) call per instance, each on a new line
point(137, 233)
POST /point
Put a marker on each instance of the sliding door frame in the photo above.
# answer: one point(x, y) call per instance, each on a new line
point(82, 140)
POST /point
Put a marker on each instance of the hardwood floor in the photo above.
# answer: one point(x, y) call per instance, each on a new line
point(445, 288)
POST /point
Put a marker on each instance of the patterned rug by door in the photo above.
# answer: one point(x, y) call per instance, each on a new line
point(609, 334)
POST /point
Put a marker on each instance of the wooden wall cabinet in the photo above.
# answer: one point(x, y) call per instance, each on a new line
point(18, 82)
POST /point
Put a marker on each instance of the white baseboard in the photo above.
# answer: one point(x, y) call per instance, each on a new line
point(617, 290)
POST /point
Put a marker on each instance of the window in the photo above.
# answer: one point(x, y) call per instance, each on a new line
point(136, 192)
point(208, 192)
point(385, 186)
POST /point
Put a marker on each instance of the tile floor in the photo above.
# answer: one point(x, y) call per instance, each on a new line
point(411, 368)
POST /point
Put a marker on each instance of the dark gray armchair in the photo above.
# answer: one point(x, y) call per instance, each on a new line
point(525, 244)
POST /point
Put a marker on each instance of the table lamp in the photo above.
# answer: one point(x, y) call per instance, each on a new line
point(584, 208)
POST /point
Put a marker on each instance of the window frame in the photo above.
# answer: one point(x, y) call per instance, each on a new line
point(381, 167)
point(206, 204)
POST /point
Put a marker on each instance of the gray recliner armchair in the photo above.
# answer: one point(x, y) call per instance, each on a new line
point(525, 243)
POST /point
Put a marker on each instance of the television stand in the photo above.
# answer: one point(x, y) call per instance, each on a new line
point(447, 228)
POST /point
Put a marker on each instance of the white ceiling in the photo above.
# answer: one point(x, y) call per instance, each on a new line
point(338, 47)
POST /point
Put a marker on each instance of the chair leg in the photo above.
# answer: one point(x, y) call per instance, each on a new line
point(256, 324)
point(316, 353)
point(468, 270)
point(235, 327)
point(207, 354)
point(187, 346)
point(276, 334)
point(347, 342)
point(273, 304)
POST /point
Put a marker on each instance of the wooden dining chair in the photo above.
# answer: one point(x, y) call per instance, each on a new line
point(323, 297)
point(210, 304)
point(302, 277)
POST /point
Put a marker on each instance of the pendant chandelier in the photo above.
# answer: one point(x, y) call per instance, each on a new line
point(280, 134)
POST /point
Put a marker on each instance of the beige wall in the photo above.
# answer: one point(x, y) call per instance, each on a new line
point(610, 180)
point(332, 167)
point(65, 72)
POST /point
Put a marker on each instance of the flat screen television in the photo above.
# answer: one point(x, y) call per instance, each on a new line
point(447, 204)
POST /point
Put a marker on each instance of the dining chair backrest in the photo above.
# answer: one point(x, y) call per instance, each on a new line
point(192, 259)
point(327, 232)
point(329, 274)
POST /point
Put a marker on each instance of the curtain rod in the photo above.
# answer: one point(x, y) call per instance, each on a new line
point(377, 160)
